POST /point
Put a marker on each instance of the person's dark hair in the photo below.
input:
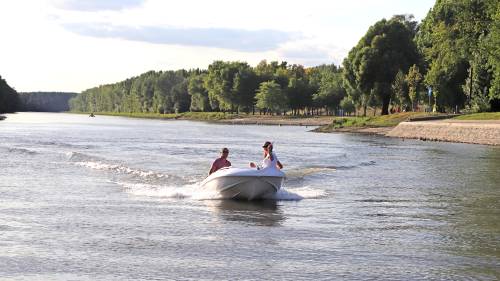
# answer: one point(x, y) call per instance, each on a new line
point(269, 147)
point(224, 150)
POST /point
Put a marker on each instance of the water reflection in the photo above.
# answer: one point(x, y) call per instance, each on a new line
point(264, 212)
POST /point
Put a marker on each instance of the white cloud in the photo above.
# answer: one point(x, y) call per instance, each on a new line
point(39, 53)
point(96, 5)
point(241, 40)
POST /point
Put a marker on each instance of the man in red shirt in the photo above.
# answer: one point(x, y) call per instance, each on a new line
point(220, 162)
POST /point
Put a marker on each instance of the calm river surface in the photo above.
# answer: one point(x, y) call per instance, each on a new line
point(111, 198)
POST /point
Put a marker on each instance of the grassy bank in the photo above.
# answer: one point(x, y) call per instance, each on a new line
point(354, 123)
point(229, 118)
point(203, 116)
point(480, 116)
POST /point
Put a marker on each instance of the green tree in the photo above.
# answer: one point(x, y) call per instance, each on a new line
point(454, 38)
point(331, 92)
point(347, 105)
point(9, 98)
point(231, 85)
point(400, 90)
point(492, 44)
point(271, 98)
point(414, 80)
point(198, 93)
point(373, 63)
point(245, 83)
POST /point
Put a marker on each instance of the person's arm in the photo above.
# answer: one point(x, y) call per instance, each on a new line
point(279, 164)
point(212, 169)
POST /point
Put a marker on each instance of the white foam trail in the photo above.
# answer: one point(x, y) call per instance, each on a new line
point(296, 194)
point(97, 165)
point(148, 190)
point(20, 150)
point(161, 191)
point(195, 192)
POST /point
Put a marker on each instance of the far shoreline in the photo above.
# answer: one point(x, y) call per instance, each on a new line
point(483, 132)
point(228, 118)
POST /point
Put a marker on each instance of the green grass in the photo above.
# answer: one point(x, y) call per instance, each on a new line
point(390, 120)
point(480, 116)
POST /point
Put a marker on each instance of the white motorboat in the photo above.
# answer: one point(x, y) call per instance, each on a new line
point(247, 184)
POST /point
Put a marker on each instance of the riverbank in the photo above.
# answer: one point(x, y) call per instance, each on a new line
point(481, 128)
point(450, 130)
point(423, 126)
point(230, 118)
point(379, 125)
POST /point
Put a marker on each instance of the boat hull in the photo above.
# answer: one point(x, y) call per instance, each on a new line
point(245, 184)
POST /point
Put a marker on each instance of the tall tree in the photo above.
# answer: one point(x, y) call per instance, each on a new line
point(414, 79)
point(374, 62)
point(331, 92)
point(454, 38)
point(231, 85)
point(271, 98)
point(198, 93)
point(400, 90)
point(9, 98)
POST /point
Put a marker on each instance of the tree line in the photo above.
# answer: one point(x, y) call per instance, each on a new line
point(9, 98)
point(449, 61)
point(268, 88)
point(45, 101)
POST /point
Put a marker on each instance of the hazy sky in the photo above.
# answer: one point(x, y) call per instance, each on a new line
point(72, 45)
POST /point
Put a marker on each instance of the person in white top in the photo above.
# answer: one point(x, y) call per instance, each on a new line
point(270, 159)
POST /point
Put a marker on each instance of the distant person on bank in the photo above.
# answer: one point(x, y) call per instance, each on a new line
point(221, 162)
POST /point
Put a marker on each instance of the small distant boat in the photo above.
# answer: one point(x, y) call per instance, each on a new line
point(91, 115)
point(245, 184)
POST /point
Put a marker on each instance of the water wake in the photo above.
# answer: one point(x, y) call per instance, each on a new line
point(97, 163)
point(158, 185)
point(159, 191)
point(19, 150)
point(296, 194)
point(195, 192)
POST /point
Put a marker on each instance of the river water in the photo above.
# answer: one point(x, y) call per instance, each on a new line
point(111, 198)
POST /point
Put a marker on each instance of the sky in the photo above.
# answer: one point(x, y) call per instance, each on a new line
point(73, 45)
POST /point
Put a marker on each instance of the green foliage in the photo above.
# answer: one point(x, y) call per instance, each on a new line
point(271, 98)
point(331, 91)
point(231, 85)
point(480, 116)
point(492, 45)
point(347, 105)
point(377, 121)
point(202, 116)
point(198, 93)
point(456, 39)
point(158, 92)
point(372, 65)
point(45, 101)
point(400, 90)
point(414, 79)
point(9, 98)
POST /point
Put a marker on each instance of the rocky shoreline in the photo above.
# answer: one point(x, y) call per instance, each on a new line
point(449, 130)
point(476, 132)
